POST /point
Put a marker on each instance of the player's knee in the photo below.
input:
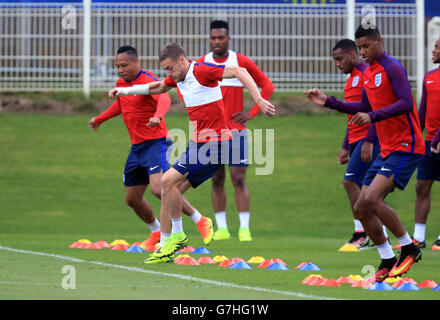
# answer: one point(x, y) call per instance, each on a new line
point(422, 190)
point(218, 181)
point(348, 184)
point(239, 181)
point(132, 201)
point(166, 183)
point(155, 191)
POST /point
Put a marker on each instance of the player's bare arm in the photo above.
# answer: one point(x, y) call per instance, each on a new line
point(245, 78)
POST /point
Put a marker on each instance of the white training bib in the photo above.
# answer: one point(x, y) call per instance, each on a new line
point(194, 94)
point(231, 61)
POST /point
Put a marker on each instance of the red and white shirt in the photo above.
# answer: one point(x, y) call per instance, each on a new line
point(232, 89)
point(201, 93)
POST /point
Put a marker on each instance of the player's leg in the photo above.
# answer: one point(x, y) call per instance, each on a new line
point(218, 196)
point(135, 199)
point(238, 178)
point(422, 207)
point(428, 171)
point(373, 226)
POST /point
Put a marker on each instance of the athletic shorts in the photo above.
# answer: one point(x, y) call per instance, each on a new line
point(401, 164)
point(356, 168)
point(239, 154)
point(429, 165)
point(202, 160)
point(146, 158)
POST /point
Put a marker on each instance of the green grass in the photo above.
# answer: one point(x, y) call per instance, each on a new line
point(60, 182)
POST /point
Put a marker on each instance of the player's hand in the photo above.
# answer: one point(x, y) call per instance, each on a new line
point(113, 93)
point(436, 150)
point(360, 118)
point(153, 122)
point(316, 96)
point(343, 156)
point(367, 152)
point(267, 107)
point(116, 92)
point(241, 117)
point(93, 125)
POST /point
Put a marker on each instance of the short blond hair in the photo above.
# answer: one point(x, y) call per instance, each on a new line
point(171, 50)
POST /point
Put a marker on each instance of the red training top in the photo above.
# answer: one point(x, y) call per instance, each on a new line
point(138, 109)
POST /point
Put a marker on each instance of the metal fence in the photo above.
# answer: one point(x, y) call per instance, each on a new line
point(44, 47)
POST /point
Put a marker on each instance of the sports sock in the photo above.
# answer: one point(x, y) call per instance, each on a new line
point(154, 226)
point(385, 231)
point(419, 231)
point(358, 227)
point(405, 240)
point(385, 250)
point(163, 238)
point(196, 216)
point(177, 226)
point(244, 219)
point(220, 219)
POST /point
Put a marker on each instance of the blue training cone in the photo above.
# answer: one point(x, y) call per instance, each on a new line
point(240, 265)
point(381, 286)
point(436, 288)
point(202, 250)
point(277, 266)
point(408, 286)
point(310, 267)
point(137, 249)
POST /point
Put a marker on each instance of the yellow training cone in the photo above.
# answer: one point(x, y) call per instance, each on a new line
point(348, 248)
point(119, 241)
point(356, 277)
point(392, 280)
point(84, 241)
point(256, 259)
point(219, 258)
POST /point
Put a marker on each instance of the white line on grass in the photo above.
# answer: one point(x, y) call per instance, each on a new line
point(173, 275)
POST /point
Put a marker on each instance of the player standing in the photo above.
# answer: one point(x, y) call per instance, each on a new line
point(360, 145)
point(198, 84)
point(144, 118)
point(429, 167)
point(236, 117)
point(387, 101)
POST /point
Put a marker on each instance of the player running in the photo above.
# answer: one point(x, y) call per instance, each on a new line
point(236, 117)
point(144, 118)
point(198, 84)
point(387, 101)
point(360, 145)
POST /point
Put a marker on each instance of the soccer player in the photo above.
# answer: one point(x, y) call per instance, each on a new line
point(429, 167)
point(387, 101)
point(236, 117)
point(144, 118)
point(199, 87)
point(358, 149)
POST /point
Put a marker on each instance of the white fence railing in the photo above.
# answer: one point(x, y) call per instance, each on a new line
point(42, 46)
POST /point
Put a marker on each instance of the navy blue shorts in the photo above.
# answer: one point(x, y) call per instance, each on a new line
point(401, 164)
point(239, 154)
point(429, 165)
point(146, 158)
point(356, 168)
point(202, 160)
